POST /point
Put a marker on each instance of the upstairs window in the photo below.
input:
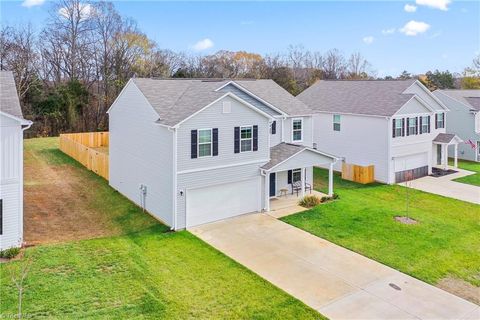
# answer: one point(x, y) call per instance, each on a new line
point(412, 126)
point(204, 143)
point(246, 139)
point(398, 127)
point(440, 120)
point(297, 125)
point(336, 122)
point(425, 124)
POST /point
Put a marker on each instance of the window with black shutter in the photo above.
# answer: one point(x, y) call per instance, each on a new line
point(403, 127)
point(236, 147)
point(393, 127)
point(274, 127)
point(289, 176)
point(193, 148)
point(215, 141)
point(255, 138)
point(428, 120)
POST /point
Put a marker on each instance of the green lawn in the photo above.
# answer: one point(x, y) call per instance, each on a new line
point(445, 242)
point(473, 179)
point(146, 272)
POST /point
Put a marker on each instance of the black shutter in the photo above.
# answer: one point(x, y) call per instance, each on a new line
point(428, 119)
point(393, 127)
point(408, 126)
point(289, 177)
point(420, 126)
point(215, 141)
point(274, 127)
point(193, 149)
point(236, 147)
point(403, 127)
point(436, 120)
point(255, 138)
point(416, 125)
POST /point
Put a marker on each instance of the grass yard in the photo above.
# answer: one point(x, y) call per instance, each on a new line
point(473, 179)
point(140, 271)
point(444, 244)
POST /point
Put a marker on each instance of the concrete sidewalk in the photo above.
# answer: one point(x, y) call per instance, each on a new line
point(337, 282)
point(444, 186)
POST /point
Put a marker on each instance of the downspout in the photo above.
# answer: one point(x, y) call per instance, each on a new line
point(174, 211)
point(20, 222)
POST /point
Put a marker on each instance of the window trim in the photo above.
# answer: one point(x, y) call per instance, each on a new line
point(203, 143)
point(301, 129)
point(298, 170)
point(440, 114)
point(339, 122)
point(414, 127)
point(424, 124)
point(244, 139)
point(398, 126)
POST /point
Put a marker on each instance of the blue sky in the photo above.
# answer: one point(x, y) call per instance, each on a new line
point(413, 35)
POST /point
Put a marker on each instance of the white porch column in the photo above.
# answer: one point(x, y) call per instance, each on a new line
point(267, 191)
point(303, 181)
point(330, 180)
point(455, 161)
point(445, 157)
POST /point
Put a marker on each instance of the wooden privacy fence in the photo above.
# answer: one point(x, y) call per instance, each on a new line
point(88, 148)
point(357, 173)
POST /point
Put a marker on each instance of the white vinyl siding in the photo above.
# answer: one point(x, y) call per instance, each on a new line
point(297, 130)
point(246, 138)
point(204, 143)
point(336, 122)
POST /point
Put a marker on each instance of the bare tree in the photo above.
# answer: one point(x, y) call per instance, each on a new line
point(18, 278)
point(357, 66)
point(334, 64)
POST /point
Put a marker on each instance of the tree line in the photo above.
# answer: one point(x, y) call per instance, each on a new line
point(71, 71)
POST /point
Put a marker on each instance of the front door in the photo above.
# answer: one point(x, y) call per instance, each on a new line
point(439, 154)
point(273, 187)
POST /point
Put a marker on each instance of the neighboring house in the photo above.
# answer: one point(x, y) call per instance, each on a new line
point(192, 151)
point(12, 125)
point(464, 120)
point(397, 126)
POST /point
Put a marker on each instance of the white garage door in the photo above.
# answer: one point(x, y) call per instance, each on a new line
point(411, 162)
point(222, 201)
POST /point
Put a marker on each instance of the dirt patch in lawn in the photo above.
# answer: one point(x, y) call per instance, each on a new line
point(460, 288)
point(405, 220)
point(63, 201)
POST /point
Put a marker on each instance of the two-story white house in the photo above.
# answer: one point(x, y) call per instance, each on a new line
point(193, 151)
point(397, 126)
point(464, 120)
point(12, 125)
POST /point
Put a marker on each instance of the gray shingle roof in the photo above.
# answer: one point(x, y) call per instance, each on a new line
point(175, 99)
point(444, 137)
point(9, 102)
point(368, 97)
point(282, 152)
point(471, 98)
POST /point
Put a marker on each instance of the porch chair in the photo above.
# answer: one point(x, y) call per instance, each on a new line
point(297, 186)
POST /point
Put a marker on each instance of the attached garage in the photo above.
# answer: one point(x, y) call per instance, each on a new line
point(411, 167)
point(222, 201)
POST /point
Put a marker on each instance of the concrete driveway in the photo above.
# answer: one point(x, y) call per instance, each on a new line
point(445, 187)
point(337, 282)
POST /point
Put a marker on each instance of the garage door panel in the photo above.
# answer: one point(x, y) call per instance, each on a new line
point(223, 201)
point(411, 162)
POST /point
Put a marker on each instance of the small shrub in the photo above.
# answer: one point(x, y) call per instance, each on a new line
point(324, 199)
point(9, 253)
point(335, 196)
point(310, 201)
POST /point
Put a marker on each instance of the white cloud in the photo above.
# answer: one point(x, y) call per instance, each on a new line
point(368, 40)
point(85, 11)
point(388, 31)
point(32, 3)
point(203, 44)
point(410, 8)
point(436, 4)
point(412, 28)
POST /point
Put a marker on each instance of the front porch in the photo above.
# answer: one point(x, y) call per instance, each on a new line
point(442, 142)
point(285, 205)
